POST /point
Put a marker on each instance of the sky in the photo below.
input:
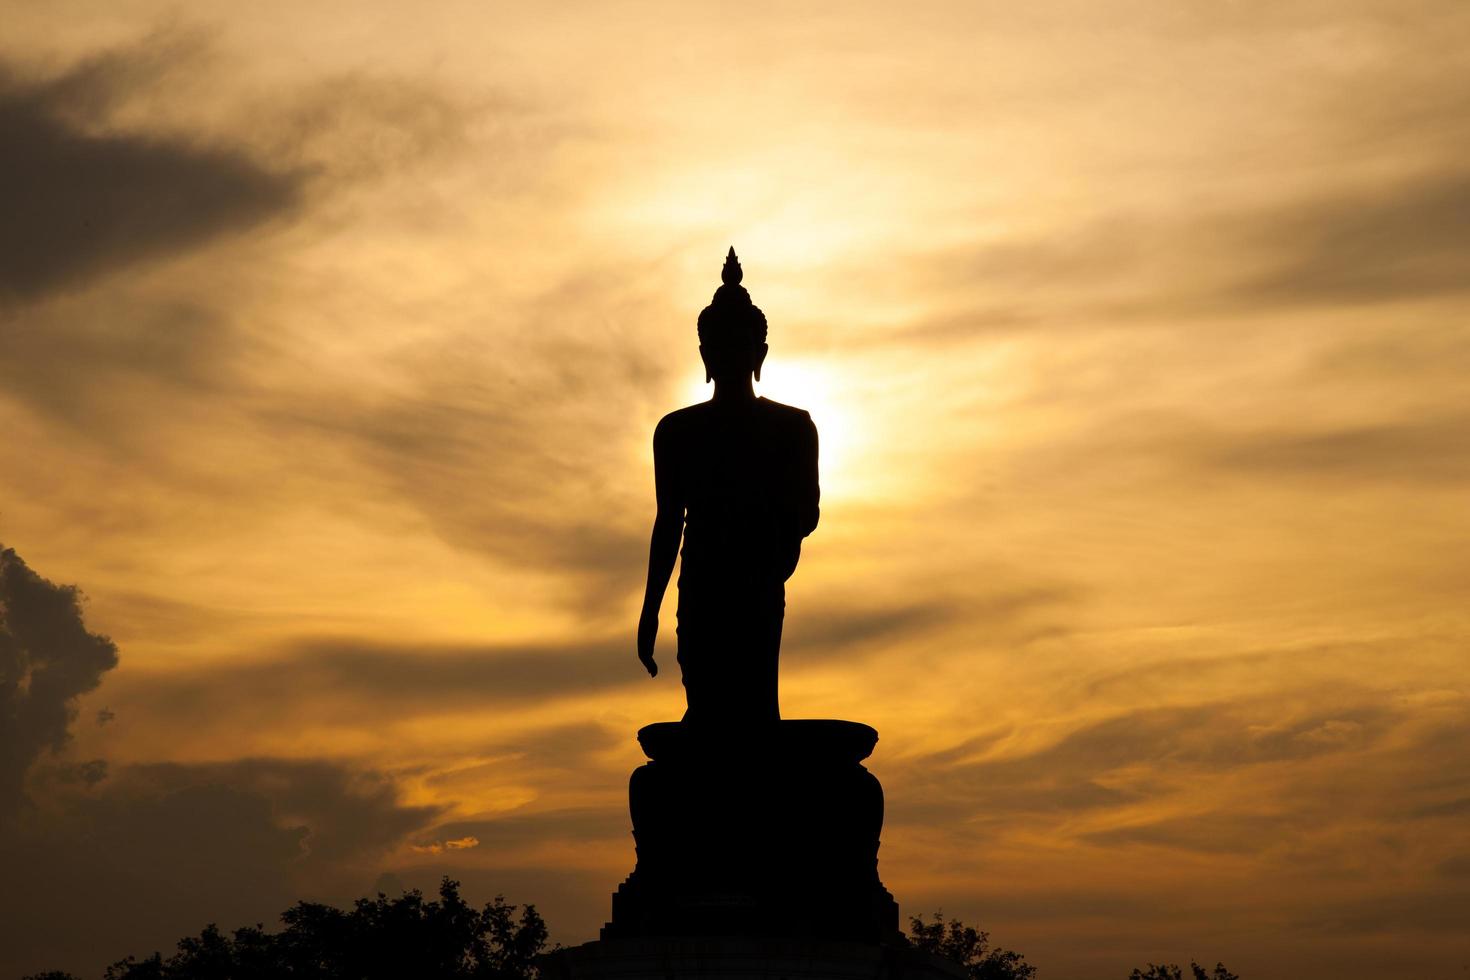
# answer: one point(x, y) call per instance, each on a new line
point(332, 339)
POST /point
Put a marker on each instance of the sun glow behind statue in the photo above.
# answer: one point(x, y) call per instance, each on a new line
point(808, 383)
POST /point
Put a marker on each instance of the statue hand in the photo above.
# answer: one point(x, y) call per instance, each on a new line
point(647, 633)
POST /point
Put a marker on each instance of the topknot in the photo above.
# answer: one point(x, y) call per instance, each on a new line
point(731, 318)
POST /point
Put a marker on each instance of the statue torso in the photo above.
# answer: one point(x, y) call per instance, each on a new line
point(747, 476)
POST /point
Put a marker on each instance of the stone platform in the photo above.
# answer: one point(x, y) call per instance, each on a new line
point(725, 958)
point(768, 831)
point(757, 857)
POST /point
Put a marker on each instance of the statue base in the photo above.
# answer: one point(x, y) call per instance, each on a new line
point(767, 831)
point(724, 958)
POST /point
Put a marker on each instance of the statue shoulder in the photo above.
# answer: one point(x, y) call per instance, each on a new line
point(790, 415)
point(678, 422)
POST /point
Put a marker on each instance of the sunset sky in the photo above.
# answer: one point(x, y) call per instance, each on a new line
point(332, 339)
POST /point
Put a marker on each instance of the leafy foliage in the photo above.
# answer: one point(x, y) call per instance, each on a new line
point(1172, 972)
point(379, 939)
point(968, 947)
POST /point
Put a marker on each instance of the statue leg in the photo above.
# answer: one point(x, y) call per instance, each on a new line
point(729, 653)
point(766, 652)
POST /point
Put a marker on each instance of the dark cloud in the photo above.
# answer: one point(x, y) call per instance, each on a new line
point(347, 814)
point(1432, 450)
point(988, 289)
point(1072, 774)
point(355, 683)
point(88, 92)
point(1310, 797)
point(1432, 349)
point(140, 855)
point(1402, 239)
point(339, 680)
point(1449, 808)
point(107, 191)
point(812, 635)
point(80, 204)
point(335, 680)
point(1360, 242)
point(1438, 908)
point(1455, 867)
point(157, 851)
point(517, 448)
point(1092, 252)
point(1268, 804)
point(1016, 613)
point(69, 359)
point(47, 659)
point(1427, 449)
point(134, 873)
point(1392, 240)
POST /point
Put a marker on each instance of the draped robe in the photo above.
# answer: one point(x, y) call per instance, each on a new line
point(745, 475)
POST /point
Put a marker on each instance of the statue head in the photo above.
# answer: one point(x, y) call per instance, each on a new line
point(732, 329)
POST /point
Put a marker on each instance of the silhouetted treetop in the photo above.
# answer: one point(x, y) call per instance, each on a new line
point(1172, 972)
point(968, 947)
point(378, 939)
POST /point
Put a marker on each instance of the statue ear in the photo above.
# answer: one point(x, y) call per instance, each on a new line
point(760, 358)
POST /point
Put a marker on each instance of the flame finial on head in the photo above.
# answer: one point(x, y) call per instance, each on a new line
point(731, 274)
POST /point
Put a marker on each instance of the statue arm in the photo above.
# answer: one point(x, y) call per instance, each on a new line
point(809, 489)
point(663, 545)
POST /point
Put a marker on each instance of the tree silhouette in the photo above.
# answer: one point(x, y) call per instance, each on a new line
point(968, 947)
point(1172, 972)
point(379, 939)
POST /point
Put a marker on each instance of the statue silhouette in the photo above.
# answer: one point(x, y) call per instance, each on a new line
point(745, 826)
point(736, 478)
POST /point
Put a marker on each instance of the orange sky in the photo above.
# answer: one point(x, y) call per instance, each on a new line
point(332, 337)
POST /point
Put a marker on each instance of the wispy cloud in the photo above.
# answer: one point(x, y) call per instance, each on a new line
point(85, 199)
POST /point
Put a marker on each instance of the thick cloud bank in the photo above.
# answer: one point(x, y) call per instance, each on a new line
point(47, 659)
point(83, 198)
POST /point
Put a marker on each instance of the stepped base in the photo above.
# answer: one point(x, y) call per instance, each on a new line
point(729, 958)
point(767, 830)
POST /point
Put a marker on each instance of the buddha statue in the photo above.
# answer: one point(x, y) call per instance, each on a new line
point(736, 480)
